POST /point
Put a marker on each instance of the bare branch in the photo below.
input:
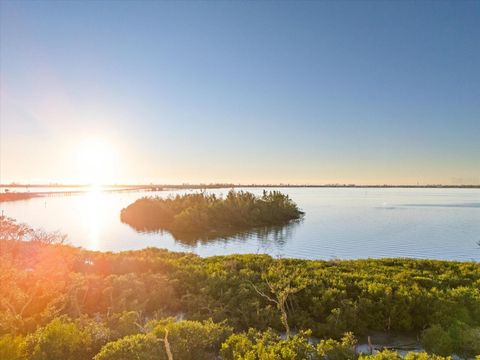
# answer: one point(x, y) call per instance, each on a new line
point(167, 346)
point(261, 293)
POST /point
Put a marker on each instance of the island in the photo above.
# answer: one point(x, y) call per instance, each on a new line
point(202, 215)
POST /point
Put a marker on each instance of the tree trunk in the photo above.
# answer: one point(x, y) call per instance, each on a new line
point(167, 346)
point(284, 319)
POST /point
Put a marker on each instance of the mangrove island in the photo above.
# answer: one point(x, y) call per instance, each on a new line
point(201, 215)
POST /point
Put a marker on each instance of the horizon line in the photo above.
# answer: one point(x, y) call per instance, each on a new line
point(237, 185)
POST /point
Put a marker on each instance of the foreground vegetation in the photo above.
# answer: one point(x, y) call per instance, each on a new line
point(61, 302)
point(202, 215)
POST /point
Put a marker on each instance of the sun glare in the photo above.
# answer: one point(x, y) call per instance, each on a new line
point(96, 162)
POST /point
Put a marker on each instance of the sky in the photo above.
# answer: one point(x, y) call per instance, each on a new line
point(240, 92)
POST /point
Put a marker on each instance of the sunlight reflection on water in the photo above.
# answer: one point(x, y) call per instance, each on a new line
point(94, 216)
point(339, 223)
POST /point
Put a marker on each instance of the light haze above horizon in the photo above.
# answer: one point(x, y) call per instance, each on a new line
point(240, 92)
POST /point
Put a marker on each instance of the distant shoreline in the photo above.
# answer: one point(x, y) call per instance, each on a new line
point(226, 185)
point(76, 190)
point(13, 195)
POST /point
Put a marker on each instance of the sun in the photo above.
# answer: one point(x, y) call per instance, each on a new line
point(96, 161)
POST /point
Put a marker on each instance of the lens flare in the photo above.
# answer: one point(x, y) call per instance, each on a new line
point(96, 161)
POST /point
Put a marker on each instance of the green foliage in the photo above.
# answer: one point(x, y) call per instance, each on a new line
point(392, 355)
point(11, 347)
point(465, 339)
point(97, 331)
point(188, 340)
point(268, 345)
point(424, 356)
point(384, 355)
point(41, 282)
point(459, 338)
point(124, 323)
point(282, 282)
point(201, 215)
point(255, 345)
point(140, 346)
point(338, 350)
point(60, 339)
point(437, 340)
point(192, 340)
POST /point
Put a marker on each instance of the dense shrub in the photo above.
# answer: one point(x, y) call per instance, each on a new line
point(139, 346)
point(459, 338)
point(186, 340)
point(392, 355)
point(11, 347)
point(338, 350)
point(191, 340)
point(63, 339)
point(107, 296)
point(267, 345)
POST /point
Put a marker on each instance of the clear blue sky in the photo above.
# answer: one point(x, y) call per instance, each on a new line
point(292, 92)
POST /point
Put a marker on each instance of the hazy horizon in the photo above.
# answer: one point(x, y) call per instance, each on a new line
point(240, 92)
point(185, 185)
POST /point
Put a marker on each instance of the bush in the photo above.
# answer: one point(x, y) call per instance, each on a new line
point(460, 339)
point(140, 346)
point(11, 347)
point(192, 340)
point(124, 324)
point(437, 341)
point(384, 355)
point(187, 340)
point(465, 339)
point(60, 339)
point(338, 350)
point(424, 356)
point(267, 345)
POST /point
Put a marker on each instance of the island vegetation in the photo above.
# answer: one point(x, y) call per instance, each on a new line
point(62, 302)
point(202, 215)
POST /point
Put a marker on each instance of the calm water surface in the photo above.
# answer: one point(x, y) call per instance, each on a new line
point(339, 223)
